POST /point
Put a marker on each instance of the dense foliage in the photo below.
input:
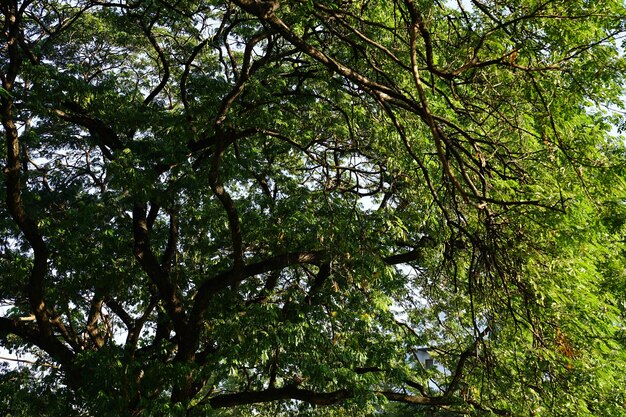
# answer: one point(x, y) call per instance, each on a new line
point(313, 207)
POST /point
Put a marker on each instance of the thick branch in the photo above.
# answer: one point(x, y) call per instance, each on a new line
point(227, 135)
point(218, 283)
point(106, 138)
point(285, 393)
point(57, 350)
point(148, 261)
point(226, 279)
point(27, 225)
point(92, 321)
point(403, 258)
point(292, 392)
point(117, 308)
point(417, 399)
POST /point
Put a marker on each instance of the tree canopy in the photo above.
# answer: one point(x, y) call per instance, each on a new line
point(313, 207)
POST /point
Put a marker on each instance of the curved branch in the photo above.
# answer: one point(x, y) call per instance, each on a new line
point(27, 225)
point(226, 279)
point(183, 78)
point(163, 59)
point(248, 68)
point(52, 346)
point(149, 263)
point(107, 139)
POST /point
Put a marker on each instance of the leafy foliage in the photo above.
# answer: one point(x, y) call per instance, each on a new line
point(313, 207)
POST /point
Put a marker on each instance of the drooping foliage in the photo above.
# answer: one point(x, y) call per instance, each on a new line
point(313, 207)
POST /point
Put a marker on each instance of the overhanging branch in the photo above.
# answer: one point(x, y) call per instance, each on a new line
point(52, 346)
point(292, 392)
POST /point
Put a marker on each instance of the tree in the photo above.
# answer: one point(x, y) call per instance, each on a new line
point(255, 207)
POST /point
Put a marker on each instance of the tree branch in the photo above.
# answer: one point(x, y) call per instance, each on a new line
point(92, 321)
point(172, 241)
point(106, 138)
point(292, 392)
point(166, 68)
point(27, 225)
point(149, 263)
point(227, 202)
point(247, 70)
point(51, 345)
point(463, 358)
point(285, 393)
point(380, 91)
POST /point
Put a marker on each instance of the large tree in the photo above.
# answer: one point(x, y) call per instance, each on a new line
point(257, 207)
